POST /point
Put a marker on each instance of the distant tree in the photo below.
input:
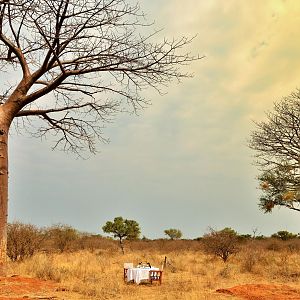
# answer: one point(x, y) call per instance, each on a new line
point(62, 235)
point(222, 243)
point(71, 66)
point(255, 233)
point(122, 229)
point(23, 240)
point(229, 231)
point(276, 142)
point(245, 236)
point(173, 234)
point(284, 235)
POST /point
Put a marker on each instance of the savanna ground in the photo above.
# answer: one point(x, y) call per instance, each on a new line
point(262, 269)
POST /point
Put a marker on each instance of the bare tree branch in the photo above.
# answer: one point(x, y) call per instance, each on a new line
point(87, 57)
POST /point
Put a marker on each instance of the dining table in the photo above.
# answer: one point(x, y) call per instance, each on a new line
point(139, 273)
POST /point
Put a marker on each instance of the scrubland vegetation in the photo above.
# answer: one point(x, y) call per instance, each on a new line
point(91, 267)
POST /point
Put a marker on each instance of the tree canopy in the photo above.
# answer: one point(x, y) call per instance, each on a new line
point(276, 142)
point(122, 229)
point(89, 57)
point(284, 235)
point(173, 234)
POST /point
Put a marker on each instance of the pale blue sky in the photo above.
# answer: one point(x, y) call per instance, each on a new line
point(183, 162)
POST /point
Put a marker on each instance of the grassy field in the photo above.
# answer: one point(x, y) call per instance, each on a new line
point(192, 274)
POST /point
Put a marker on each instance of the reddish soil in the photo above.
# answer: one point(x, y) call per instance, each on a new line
point(17, 288)
point(263, 292)
point(20, 288)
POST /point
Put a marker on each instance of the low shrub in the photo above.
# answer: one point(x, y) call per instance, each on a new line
point(23, 240)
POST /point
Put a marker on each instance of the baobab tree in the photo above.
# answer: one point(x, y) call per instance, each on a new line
point(72, 64)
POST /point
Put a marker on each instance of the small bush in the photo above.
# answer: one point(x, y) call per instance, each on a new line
point(274, 246)
point(62, 235)
point(250, 258)
point(23, 240)
point(225, 272)
point(221, 243)
point(293, 246)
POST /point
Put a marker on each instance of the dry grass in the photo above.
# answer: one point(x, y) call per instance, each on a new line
point(193, 274)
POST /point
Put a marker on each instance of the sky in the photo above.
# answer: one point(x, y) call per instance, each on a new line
point(183, 162)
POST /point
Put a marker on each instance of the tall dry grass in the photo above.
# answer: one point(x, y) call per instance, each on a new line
point(190, 275)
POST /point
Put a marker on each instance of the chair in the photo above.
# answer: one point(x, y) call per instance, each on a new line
point(126, 267)
point(155, 275)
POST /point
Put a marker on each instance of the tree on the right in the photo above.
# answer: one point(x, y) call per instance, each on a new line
point(276, 142)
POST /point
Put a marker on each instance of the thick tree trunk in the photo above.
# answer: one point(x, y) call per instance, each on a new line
point(8, 111)
point(3, 195)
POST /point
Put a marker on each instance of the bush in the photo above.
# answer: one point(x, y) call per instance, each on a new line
point(274, 245)
point(221, 243)
point(251, 255)
point(93, 242)
point(293, 246)
point(62, 235)
point(23, 240)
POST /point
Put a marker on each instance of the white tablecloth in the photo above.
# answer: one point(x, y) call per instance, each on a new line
point(139, 274)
